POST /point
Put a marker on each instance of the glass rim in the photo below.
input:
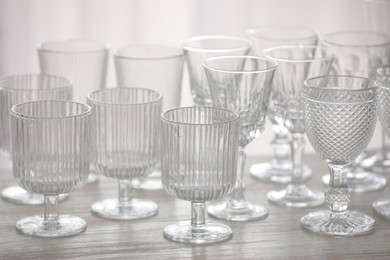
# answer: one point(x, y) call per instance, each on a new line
point(373, 83)
point(81, 114)
point(332, 43)
point(185, 46)
point(68, 83)
point(116, 54)
point(331, 55)
point(100, 102)
point(104, 46)
point(235, 115)
point(252, 32)
point(271, 68)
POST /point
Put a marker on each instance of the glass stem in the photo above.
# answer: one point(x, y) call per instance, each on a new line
point(125, 193)
point(51, 208)
point(337, 194)
point(280, 145)
point(237, 199)
point(384, 147)
point(198, 210)
point(297, 150)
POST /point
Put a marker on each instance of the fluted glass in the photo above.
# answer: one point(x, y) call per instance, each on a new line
point(199, 161)
point(51, 155)
point(23, 88)
point(340, 118)
point(125, 130)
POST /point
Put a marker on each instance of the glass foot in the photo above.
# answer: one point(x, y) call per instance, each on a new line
point(17, 195)
point(267, 172)
point(296, 197)
point(379, 163)
point(382, 207)
point(221, 210)
point(66, 225)
point(349, 223)
point(151, 182)
point(184, 232)
point(361, 181)
point(134, 209)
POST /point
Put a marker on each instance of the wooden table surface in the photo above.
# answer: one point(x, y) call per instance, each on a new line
point(279, 236)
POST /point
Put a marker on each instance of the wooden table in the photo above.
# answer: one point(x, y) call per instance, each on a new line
point(279, 236)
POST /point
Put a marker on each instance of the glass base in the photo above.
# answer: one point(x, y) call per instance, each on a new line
point(296, 197)
point(379, 163)
point(134, 209)
point(382, 207)
point(66, 225)
point(221, 210)
point(17, 195)
point(266, 172)
point(349, 223)
point(184, 232)
point(151, 182)
point(361, 181)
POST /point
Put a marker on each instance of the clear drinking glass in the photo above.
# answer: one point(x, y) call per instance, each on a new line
point(82, 61)
point(50, 151)
point(241, 84)
point(126, 131)
point(278, 170)
point(340, 118)
point(199, 48)
point(157, 67)
point(359, 53)
point(23, 88)
point(199, 162)
point(296, 63)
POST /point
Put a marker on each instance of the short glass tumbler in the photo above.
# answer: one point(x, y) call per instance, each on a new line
point(50, 150)
point(340, 118)
point(126, 131)
point(199, 160)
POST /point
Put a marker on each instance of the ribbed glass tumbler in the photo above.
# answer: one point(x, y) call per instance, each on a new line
point(199, 159)
point(23, 88)
point(340, 118)
point(50, 150)
point(126, 132)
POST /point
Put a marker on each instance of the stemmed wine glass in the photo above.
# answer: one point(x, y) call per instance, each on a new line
point(18, 89)
point(241, 84)
point(340, 118)
point(125, 130)
point(296, 63)
point(50, 151)
point(199, 161)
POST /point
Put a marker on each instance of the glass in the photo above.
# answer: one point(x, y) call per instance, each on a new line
point(199, 161)
point(126, 129)
point(18, 89)
point(296, 63)
point(157, 67)
point(340, 118)
point(278, 170)
point(199, 48)
point(50, 151)
point(359, 54)
point(82, 61)
point(241, 84)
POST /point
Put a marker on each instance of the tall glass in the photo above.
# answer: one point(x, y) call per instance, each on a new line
point(278, 170)
point(296, 63)
point(157, 67)
point(199, 48)
point(23, 88)
point(241, 84)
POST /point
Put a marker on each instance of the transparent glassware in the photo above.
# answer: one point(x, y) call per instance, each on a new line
point(83, 61)
point(340, 118)
point(50, 151)
point(157, 67)
point(23, 88)
point(296, 63)
point(278, 170)
point(382, 206)
point(126, 131)
point(199, 163)
point(359, 53)
point(241, 84)
point(199, 48)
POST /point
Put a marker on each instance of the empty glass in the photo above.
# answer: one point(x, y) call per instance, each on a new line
point(50, 151)
point(199, 163)
point(199, 48)
point(296, 63)
point(340, 118)
point(241, 84)
point(157, 67)
point(278, 170)
point(18, 89)
point(126, 131)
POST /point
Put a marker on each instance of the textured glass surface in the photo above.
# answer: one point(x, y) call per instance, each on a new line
point(383, 79)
